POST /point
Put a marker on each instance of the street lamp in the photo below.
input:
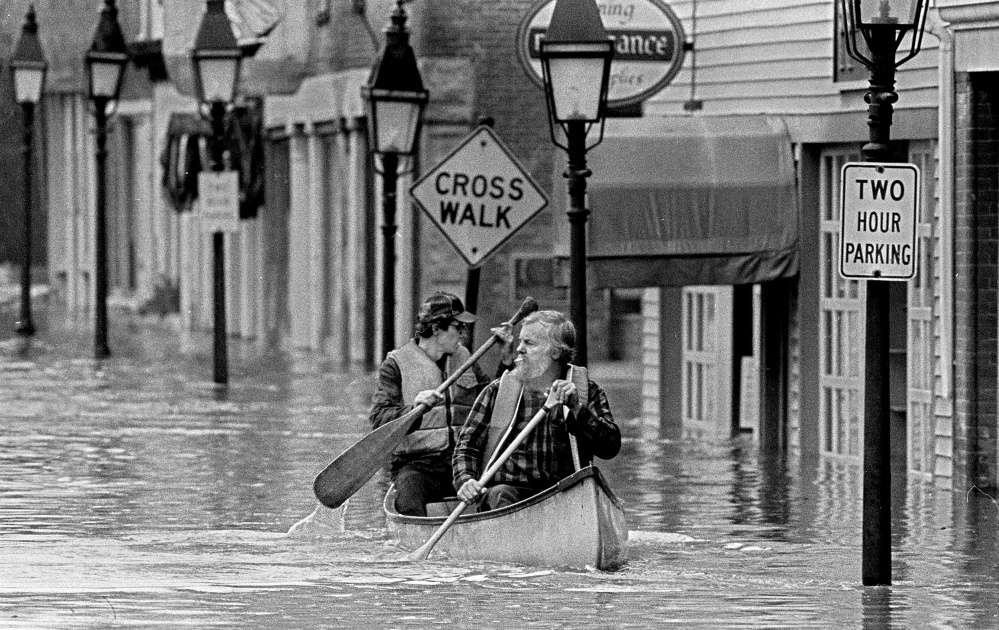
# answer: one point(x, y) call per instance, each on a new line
point(575, 61)
point(28, 68)
point(216, 58)
point(396, 98)
point(105, 60)
point(884, 24)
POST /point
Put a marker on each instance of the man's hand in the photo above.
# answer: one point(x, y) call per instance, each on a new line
point(505, 335)
point(428, 397)
point(504, 332)
point(564, 393)
point(470, 491)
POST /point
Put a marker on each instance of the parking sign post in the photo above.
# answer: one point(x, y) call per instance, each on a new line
point(882, 36)
point(880, 211)
point(878, 219)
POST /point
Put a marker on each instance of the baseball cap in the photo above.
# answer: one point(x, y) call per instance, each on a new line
point(443, 305)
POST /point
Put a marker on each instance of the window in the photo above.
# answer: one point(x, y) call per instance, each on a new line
point(845, 67)
point(150, 20)
point(542, 278)
point(921, 338)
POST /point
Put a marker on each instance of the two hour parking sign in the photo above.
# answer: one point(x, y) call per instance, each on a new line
point(879, 215)
point(479, 195)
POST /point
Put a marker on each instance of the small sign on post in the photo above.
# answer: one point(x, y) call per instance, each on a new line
point(879, 214)
point(479, 195)
point(218, 193)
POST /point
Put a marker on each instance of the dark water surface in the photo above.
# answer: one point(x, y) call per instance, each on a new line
point(134, 494)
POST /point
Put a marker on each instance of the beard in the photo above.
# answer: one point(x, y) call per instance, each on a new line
point(529, 369)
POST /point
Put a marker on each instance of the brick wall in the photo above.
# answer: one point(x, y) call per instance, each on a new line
point(976, 266)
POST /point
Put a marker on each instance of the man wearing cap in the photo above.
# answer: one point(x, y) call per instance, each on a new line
point(409, 376)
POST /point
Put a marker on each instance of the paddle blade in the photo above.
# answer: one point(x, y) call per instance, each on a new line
point(355, 466)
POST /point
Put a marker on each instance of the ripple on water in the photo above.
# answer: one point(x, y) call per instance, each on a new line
point(134, 492)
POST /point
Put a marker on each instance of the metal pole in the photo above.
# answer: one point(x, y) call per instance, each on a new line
point(577, 174)
point(221, 371)
point(101, 350)
point(390, 168)
point(24, 325)
point(876, 559)
point(474, 273)
point(472, 301)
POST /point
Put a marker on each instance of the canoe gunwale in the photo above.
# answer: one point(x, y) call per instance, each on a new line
point(572, 480)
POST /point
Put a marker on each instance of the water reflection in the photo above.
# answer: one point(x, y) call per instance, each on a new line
point(877, 608)
point(975, 537)
point(132, 492)
point(761, 489)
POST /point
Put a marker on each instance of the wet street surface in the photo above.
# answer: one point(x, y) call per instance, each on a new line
point(136, 494)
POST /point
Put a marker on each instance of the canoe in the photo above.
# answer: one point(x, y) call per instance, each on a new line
point(577, 523)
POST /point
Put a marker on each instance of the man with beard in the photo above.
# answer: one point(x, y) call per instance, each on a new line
point(577, 429)
point(421, 464)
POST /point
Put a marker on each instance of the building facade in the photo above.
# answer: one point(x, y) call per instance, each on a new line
point(788, 60)
point(305, 271)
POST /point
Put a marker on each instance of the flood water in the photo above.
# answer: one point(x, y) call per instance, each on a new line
point(134, 494)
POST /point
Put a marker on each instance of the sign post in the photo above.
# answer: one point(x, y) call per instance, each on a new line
point(879, 215)
point(478, 196)
point(218, 209)
point(219, 196)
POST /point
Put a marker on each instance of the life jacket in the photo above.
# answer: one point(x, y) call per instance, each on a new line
point(504, 415)
point(419, 373)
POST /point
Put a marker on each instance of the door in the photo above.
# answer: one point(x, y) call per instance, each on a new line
point(920, 418)
point(706, 377)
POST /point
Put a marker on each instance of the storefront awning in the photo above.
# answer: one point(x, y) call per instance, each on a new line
point(185, 154)
point(692, 200)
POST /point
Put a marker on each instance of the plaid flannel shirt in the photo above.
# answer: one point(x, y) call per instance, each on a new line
point(545, 456)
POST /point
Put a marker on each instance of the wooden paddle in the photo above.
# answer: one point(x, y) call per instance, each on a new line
point(355, 466)
point(424, 551)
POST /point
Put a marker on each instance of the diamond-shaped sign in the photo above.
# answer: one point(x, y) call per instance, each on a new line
point(479, 195)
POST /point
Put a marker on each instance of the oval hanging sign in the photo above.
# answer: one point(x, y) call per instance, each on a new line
point(648, 46)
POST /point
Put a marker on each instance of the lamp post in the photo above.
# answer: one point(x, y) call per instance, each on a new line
point(28, 69)
point(883, 24)
point(105, 60)
point(395, 98)
point(216, 59)
point(575, 61)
